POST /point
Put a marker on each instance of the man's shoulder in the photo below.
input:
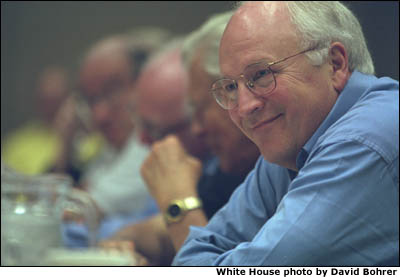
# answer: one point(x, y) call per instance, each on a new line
point(373, 120)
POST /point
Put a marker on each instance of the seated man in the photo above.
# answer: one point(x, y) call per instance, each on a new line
point(169, 159)
point(299, 84)
point(107, 75)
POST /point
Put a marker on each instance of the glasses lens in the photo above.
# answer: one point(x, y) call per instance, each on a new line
point(225, 93)
point(261, 78)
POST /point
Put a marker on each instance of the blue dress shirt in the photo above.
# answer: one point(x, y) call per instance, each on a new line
point(341, 209)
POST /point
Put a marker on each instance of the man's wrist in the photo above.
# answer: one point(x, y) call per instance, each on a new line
point(178, 208)
point(165, 199)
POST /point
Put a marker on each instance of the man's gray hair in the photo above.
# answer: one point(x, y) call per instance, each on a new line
point(320, 23)
point(206, 39)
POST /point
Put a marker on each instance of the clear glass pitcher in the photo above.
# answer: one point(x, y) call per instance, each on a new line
point(32, 214)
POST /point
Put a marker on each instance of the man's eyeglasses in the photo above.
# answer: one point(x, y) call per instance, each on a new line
point(158, 132)
point(259, 79)
point(110, 92)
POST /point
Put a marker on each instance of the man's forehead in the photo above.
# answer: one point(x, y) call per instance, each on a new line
point(267, 9)
point(99, 72)
point(260, 11)
point(253, 18)
point(257, 31)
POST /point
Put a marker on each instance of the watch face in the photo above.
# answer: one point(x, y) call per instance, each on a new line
point(174, 210)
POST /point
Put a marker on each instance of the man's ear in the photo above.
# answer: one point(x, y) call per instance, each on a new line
point(340, 67)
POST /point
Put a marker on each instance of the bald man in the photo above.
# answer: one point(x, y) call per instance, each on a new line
point(162, 115)
point(160, 102)
point(106, 77)
point(106, 80)
point(298, 81)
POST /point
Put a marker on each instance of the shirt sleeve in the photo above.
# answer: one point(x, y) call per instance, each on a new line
point(341, 209)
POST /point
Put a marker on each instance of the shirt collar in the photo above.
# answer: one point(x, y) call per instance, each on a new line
point(355, 87)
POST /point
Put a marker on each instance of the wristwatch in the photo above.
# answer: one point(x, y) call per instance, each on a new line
point(178, 208)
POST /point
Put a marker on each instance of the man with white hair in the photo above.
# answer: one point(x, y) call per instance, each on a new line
point(299, 83)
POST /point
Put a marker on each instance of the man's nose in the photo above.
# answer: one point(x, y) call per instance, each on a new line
point(101, 112)
point(247, 101)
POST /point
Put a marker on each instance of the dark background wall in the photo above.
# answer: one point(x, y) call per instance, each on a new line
point(39, 33)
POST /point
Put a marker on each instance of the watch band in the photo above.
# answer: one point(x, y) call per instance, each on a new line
point(191, 203)
point(179, 207)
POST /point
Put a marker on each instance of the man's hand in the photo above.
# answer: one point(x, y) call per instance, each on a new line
point(150, 238)
point(125, 247)
point(65, 125)
point(65, 121)
point(170, 173)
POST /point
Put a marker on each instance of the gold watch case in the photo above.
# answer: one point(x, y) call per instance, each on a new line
point(179, 207)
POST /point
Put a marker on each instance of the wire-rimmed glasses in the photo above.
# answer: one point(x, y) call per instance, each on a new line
point(259, 79)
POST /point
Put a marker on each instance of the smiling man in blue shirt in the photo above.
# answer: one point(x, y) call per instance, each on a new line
point(299, 83)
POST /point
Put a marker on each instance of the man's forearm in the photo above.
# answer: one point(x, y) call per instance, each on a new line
point(179, 231)
point(151, 239)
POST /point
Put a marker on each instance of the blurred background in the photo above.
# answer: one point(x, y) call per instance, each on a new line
point(35, 34)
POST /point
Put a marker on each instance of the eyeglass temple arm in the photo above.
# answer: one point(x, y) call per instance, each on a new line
point(284, 59)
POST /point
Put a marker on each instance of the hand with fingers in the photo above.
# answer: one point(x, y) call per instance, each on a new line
point(170, 172)
point(124, 247)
